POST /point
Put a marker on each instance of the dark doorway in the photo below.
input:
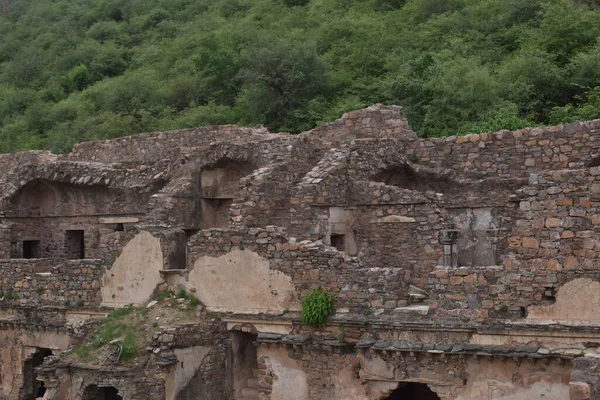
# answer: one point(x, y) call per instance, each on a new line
point(75, 245)
point(32, 388)
point(94, 392)
point(413, 391)
point(245, 365)
point(32, 249)
point(177, 252)
point(110, 393)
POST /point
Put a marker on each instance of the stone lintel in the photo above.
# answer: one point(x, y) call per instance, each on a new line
point(119, 220)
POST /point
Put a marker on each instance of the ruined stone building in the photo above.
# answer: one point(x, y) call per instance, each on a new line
point(461, 268)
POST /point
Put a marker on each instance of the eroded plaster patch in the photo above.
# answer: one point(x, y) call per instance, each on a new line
point(189, 361)
point(577, 302)
point(348, 386)
point(134, 275)
point(241, 281)
point(289, 381)
point(508, 381)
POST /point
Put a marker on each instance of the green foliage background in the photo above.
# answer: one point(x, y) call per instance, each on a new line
point(74, 70)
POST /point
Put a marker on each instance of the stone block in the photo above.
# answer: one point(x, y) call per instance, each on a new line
point(579, 391)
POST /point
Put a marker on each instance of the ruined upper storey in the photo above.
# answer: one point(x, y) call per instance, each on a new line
point(426, 245)
point(382, 209)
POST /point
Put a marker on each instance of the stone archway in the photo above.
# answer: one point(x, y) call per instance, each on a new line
point(32, 387)
point(413, 391)
point(94, 392)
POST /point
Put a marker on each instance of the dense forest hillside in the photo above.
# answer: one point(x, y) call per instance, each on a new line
point(73, 70)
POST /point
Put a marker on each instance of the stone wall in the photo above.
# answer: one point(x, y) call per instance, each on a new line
point(313, 372)
point(46, 283)
point(468, 264)
point(517, 153)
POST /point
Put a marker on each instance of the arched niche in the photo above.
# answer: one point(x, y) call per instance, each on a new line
point(94, 392)
point(219, 187)
point(59, 220)
point(43, 198)
point(222, 179)
point(413, 391)
point(32, 387)
point(35, 199)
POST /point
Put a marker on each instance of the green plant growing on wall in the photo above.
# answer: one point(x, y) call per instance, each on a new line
point(316, 306)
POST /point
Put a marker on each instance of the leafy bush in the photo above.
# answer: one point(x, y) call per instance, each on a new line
point(316, 306)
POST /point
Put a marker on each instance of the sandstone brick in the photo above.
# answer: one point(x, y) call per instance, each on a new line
point(553, 222)
point(531, 243)
point(571, 263)
point(456, 280)
point(580, 391)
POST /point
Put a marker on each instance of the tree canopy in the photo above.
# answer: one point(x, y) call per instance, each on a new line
point(74, 70)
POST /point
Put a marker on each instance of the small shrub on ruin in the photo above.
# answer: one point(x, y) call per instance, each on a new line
point(194, 302)
point(316, 306)
point(165, 294)
point(129, 347)
point(121, 312)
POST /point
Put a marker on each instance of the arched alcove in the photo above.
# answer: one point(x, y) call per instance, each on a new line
point(221, 180)
point(43, 198)
point(219, 186)
point(35, 199)
point(413, 391)
point(94, 392)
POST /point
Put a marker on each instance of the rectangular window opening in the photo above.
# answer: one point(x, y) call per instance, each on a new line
point(338, 241)
point(32, 249)
point(75, 245)
point(190, 232)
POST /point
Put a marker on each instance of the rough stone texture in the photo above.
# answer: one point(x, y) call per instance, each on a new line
point(463, 266)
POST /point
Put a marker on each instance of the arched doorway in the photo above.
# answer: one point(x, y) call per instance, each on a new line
point(94, 392)
point(413, 391)
point(32, 388)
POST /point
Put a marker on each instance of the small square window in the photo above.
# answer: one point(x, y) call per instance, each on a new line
point(338, 241)
point(32, 249)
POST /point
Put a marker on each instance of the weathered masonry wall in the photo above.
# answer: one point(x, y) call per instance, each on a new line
point(515, 153)
point(43, 283)
point(333, 375)
point(461, 268)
